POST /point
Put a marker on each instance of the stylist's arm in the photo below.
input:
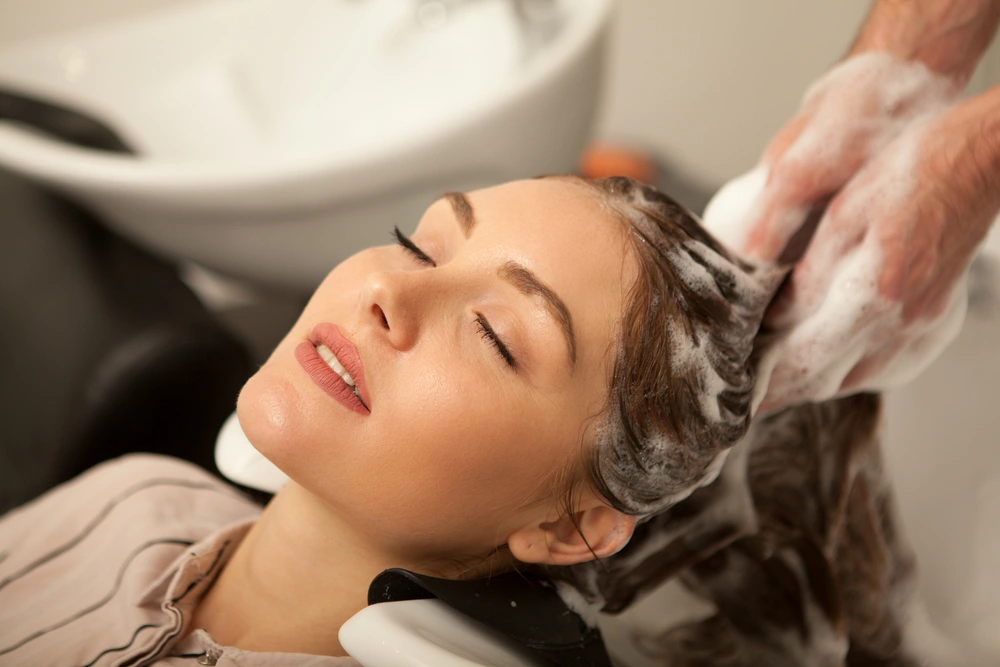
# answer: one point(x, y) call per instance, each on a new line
point(910, 183)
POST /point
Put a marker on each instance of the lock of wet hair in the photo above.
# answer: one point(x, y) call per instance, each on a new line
point(682, 381)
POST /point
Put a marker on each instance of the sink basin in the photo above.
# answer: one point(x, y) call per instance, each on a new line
point(270, 139)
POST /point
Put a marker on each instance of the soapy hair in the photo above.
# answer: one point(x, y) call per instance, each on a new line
point(682, 381)
point(681, 395)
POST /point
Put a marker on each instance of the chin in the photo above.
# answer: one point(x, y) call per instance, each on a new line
point(270, 410)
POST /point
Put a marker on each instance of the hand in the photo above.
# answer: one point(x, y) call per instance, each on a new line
point(880, 290)
point(909, 59)
point(846, 118)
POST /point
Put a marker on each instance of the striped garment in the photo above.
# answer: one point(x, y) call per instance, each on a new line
point(107, 569)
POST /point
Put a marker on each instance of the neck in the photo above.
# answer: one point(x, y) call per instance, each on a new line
point(299, 574)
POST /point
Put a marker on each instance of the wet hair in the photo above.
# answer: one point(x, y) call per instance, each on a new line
point(796, 543)
point(682, 381)
point(681, 394)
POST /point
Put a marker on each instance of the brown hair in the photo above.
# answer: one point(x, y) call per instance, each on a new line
point(682, 381)
point(797, 545)
point(680, 393)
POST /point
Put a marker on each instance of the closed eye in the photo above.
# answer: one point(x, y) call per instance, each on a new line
point(491, 336)
point(412, 248)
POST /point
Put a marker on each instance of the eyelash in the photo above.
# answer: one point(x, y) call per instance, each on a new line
point(485, 330)
point(411, 247)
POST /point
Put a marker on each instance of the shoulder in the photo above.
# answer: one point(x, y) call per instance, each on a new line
point(111, 478)
point(144, 488)
point(78, 563)
point(131, 468)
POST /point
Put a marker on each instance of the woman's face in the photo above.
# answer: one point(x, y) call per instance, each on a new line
point(485, 350)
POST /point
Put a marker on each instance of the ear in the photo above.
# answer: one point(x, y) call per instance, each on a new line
point(565, 540)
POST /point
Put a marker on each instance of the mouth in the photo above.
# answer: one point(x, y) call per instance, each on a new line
point(333, 363)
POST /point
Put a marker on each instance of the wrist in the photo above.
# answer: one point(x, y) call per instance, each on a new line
point(983, 112)
point(965, 145)
point(948, 36)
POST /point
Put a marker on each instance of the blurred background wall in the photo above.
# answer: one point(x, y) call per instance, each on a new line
point(706, 84)
point(703, 84)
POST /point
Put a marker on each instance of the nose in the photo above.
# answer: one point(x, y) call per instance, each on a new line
point(397, 304)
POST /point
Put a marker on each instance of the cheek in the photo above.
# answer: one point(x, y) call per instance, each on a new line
point(465, 447)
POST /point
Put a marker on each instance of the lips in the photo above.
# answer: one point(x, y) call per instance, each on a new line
point(329, 381)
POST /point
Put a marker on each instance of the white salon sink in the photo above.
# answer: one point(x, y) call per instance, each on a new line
point(277, 137)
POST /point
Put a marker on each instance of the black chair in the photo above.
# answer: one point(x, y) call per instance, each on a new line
point(103, 350)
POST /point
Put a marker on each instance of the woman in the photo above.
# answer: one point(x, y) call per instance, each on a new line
point(537, 366)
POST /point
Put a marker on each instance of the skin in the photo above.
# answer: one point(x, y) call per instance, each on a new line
point(948, 36)
point(459, 467)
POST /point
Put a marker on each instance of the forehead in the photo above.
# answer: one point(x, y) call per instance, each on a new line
point(548, 209)
point(565, 234)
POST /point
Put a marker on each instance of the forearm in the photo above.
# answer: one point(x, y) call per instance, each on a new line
point(948, 36)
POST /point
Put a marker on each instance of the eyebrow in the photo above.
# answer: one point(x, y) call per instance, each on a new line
point(528, 284)
point(462, 207)
point(518, 275)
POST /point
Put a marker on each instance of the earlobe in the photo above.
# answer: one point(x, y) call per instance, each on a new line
point(599, 531)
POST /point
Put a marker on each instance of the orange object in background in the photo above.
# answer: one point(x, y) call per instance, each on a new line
point(603, 160)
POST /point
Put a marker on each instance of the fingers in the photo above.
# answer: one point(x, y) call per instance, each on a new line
point(863, 374)
point(837, 319)
point(847, 117)
point(911, 348)
point(856, 342)
point(849, 315)
point(815, 166)
point(816, 355)
point(785, 137)
point(783, 207)
point(838, 235)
